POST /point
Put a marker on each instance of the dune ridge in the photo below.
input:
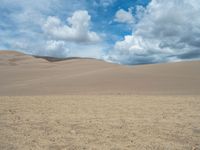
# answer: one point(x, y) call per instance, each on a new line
point(27, 75)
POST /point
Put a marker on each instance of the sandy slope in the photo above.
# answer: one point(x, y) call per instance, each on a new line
point(26, 75)
point(94, 105)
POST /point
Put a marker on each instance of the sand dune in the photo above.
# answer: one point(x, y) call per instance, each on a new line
point(73, 104)
point(26, 75)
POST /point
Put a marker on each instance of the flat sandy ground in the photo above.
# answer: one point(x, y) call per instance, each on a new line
point(100, 122)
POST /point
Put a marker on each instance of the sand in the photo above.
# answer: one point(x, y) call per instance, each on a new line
point(79, 104)
point(26, 75)
point(100, 122)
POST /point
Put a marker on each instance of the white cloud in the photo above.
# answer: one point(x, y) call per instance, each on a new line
point(106, 3)
point(123, 16)
point(77, 29)
point(23, 21)
point(167, 31)
point(164, 31)
point(56, 48)
point(73, 39)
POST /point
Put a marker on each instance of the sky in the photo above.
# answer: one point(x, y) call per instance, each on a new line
point(119, 31)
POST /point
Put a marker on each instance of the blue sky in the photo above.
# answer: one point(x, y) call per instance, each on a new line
point(121, 31)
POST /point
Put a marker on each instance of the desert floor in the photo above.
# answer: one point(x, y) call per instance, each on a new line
point(77, 104)
point(100, 122)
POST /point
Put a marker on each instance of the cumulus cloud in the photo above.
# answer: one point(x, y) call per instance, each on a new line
point(166, 31)
point(56, 48)
point(124, 16)
point(27, 27)
point(162, 31)
point(73, 38)
point(64, 49)
point(77, 28)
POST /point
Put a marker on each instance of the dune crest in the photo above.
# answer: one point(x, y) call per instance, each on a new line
point(26, 75)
